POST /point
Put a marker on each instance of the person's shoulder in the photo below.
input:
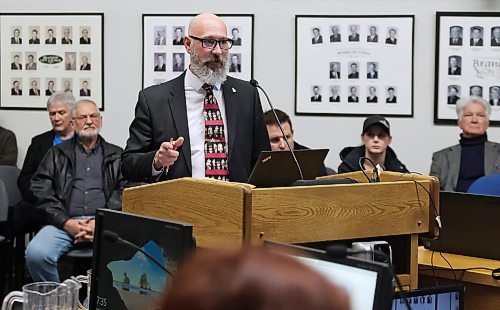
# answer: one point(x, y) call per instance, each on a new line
point(110, 147)
point(165, 86)
point(298, 146)
point(7, 132)
point(43, 137)
point(493, 145)
point(446, 150)
point(238, 83)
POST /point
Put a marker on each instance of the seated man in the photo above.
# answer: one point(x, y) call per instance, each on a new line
point(376, 138)
point(74, 179)
point(8, 148)
point(26, 217)
point(458, 166)
point(276, 137)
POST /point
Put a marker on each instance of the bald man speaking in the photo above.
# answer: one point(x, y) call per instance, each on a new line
point(200, 124)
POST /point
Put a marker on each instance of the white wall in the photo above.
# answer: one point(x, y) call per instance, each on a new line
point(415, 139)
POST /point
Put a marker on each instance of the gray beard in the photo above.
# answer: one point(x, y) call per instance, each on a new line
point(205, 72)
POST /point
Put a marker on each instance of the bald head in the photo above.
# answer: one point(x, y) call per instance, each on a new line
point(207, 24)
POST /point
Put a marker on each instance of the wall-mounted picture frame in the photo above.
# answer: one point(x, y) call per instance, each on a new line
point(354, 65)
point(164, 56)
point(467, 62)
point(49, 52)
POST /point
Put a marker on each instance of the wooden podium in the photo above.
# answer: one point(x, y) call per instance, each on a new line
point(398, 208)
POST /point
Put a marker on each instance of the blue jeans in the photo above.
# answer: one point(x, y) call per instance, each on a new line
point(44, 251)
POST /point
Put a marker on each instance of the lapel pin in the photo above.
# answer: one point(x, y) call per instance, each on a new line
point(234, 90)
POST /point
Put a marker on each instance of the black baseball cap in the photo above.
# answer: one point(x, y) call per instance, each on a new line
point(376, 119)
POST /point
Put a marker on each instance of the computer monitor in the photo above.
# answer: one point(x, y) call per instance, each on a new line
point(368, 284)
point(436, 298)
point(124, 278)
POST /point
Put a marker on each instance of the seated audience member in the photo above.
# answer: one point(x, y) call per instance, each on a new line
point(276, 137)
point(252, 279)
point(458, 166)
point(26, 217)
point(376, 138)
point(8, 148)
point(74, 179)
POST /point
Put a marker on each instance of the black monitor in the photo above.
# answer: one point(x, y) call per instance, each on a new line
point(368, 284)
point(124, 278)
point(436, 298)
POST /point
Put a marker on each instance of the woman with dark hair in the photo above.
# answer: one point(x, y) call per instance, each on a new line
point(251, 279)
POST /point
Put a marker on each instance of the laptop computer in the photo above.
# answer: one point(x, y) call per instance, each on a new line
point(277, 168)
point(470, 225)
point(435, 298)
point(124, 278)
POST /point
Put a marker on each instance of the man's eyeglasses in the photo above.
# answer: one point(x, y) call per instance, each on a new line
point(210, 43)
point(93, 117)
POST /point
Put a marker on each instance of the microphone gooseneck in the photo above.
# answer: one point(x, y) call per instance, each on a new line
point(254, 83)
point(113, 237)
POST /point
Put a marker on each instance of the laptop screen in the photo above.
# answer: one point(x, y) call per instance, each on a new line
point(368, 284)
point(124, 278)
point(435, 298)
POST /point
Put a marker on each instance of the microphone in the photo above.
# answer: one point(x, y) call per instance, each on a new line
point(342, 251)
point(112, 237)
point(254, 83)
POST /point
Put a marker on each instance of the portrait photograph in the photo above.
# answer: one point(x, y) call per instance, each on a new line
point(34, 35)
point(355, 72)
point(16, 35)
point(178, 62)
point(466, 62)
point(164, 56)
point(56, 54)
point(454, 93)
point(317, 38)
point(16, 86)
point(495, 96)
point(159, 34)
point(85, 88)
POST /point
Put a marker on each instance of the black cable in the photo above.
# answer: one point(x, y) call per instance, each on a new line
point(451, 267)
point(362, 167)
point(433, 269)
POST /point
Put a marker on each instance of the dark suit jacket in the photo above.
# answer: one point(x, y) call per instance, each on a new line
point(459, 41)
point(457, 71)
point(375, 75)
point(353, 75)
point(48, 92)
point(237, 42)
point(389, 41)
point(320, 40)
point(479, 42)
point(82, 92)
point(372, 100)
point(453, 99)
point(233, 68)
point(161, 114)
point(13, 92)
point(160, 68)
point(494, 43)
point(32, 92)
point(334, 99)
point(50, 41)
point(333, 77)
point(354, 38)
point(85, 67)
point(13, 40)
point(369, 38)
point(351, 99)
point(66, 41)
point(393, 100)
point(36, 151)
point(180, 42)
point(14, 67)
point(34, 41)
point(336, 38)
point(82, 41)
point(316, 100)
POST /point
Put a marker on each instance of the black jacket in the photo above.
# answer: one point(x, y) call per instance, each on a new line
point(350, 160)
point(36, 151)
point(53, 180)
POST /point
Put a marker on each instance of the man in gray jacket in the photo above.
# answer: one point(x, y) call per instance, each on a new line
point(458, 166)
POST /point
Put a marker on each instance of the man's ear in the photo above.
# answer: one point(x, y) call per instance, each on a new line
point(187, 44)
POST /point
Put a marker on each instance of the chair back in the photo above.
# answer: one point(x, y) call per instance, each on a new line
point(4, 203)
point(9, 174)
point(487, 185)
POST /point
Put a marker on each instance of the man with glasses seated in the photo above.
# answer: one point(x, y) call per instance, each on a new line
point(177, 123)
point(75, 178)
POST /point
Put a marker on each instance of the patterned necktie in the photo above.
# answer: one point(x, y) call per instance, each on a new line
point(215, 142)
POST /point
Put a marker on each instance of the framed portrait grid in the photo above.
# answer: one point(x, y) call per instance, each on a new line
point(45, 53)
point(467, 62)
point(354, 65)
point(164, 55)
